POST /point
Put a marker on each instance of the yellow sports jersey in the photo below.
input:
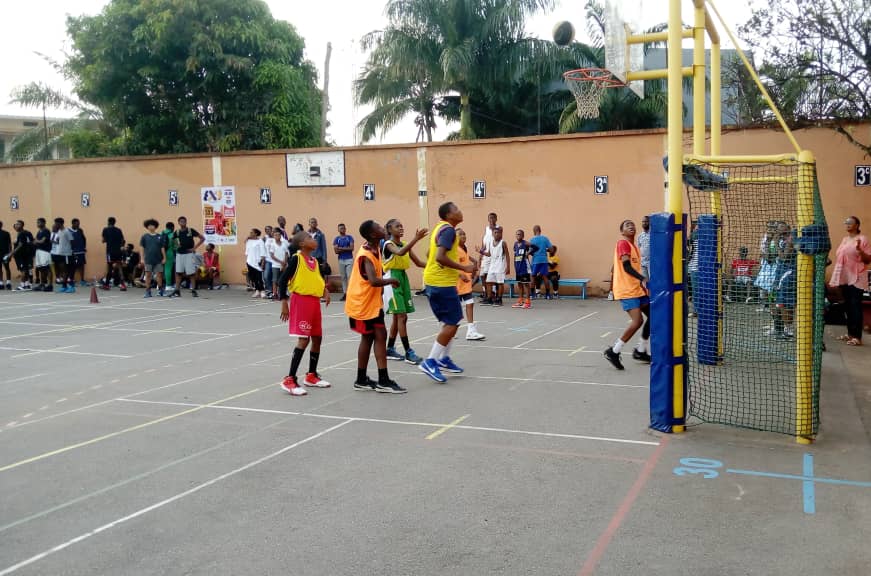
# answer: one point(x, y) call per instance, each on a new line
point(394, 261)
point(435, 274)
point(553, 263)
point(307, 279)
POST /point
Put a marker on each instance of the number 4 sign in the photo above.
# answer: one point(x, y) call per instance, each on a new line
point(863, 176)
point(265, 196)
point(369, 192)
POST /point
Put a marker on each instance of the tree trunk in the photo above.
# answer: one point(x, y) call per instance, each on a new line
point(466, 132)
point(325, 100)
point(46, 153)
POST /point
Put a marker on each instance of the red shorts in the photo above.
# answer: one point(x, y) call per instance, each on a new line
point(305, 316)
point(367, 327)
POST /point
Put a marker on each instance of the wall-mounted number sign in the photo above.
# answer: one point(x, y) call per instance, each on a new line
point(265, 196)
point(86, 200)
point(479, 190)
point(369, 192)
point(13, 203)
point(173, 197)
point(600, 185)
point(863, 176)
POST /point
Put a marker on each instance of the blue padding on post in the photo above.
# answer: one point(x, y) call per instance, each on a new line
point(661, 288)
point(706, 296)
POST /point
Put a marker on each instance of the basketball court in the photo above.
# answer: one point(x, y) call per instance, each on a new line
point(151, 437)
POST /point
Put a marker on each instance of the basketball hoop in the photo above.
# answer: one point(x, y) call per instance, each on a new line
point(588, 85)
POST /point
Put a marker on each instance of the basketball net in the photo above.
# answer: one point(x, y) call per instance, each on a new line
point(587, 86)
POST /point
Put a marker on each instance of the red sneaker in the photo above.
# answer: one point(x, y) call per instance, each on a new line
point(123, 287)
point(291, 386)
point(312, 379)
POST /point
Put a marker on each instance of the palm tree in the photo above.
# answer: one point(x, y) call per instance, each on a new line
point(437, 48)
point(37, 143)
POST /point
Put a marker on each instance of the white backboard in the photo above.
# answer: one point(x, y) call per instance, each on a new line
point(622, 18)
point(308, 169)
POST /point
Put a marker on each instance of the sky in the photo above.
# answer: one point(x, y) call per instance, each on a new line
point(40, 26)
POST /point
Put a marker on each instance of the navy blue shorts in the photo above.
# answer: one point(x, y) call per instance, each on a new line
point(540, 269)
point(445, 304)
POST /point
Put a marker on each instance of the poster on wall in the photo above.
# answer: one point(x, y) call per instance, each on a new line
point(219, 214)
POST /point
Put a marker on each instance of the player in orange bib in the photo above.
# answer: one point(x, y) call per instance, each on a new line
point(630, 288)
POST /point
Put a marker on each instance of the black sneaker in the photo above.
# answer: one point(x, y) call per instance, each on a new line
point(642, 356)
point(175, 294)
point(194, 294)
point(614, 358)
point(486, 302)
point(47, 288)
point(390, 387)
point(368, 386)
point(37, 288)
point(497, 302)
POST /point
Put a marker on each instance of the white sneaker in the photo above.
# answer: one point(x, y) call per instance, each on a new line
point(474, 335)
point(768, 331)
point(256, 294)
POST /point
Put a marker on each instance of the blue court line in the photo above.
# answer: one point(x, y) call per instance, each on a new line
point(804, 478)
point(808, 485)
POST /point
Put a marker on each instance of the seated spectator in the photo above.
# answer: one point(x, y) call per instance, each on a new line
point(131, 264)
point(741, 279)
point(210, 269)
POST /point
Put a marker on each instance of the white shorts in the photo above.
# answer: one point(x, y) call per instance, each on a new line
point(496, 277)
point(185, 264)
point(484, 266)
point(466, 299)
point(43, 259)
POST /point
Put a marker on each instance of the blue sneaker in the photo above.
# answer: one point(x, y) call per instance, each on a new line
point(431, 369)
point(147, 294)
point(448, 365)
point(411, 357)
point(71, 289)
point(392, 354)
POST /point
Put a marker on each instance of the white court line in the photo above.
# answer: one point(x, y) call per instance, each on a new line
point(489, 347)
point(516, 379)
point(605, 335)
point(43, 351)
point(398, 422)
point(23, 378)
point(59, 351)
point(557, 329)
point(162, 503)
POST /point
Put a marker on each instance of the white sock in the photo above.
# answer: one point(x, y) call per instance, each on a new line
point(446, 351)
point(471, 328)
point(618, 345)
point(642, 345)
point(437, 351)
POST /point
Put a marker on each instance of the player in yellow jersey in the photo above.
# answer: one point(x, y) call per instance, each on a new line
point(302, 279)
point(397, 257)
point(440, 277)
point(630, 288)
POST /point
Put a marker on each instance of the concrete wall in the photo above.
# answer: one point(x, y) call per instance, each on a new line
point(544, 180)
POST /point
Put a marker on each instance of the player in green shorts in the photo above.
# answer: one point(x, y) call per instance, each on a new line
point(169, 265)
point(397, 258)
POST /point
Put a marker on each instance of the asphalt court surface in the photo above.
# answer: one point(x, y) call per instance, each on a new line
point(150, 437)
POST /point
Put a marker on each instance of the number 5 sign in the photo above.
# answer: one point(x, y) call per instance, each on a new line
point(173, 197)
point(86, 200)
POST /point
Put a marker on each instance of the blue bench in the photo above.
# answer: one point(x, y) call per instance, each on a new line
point(579, 282)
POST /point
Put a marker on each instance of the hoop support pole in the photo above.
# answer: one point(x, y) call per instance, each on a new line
point(749, 159)
point(650, 37)
point(657, 74)
point(804, 307)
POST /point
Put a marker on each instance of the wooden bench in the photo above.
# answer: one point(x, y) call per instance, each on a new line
point(579, 282)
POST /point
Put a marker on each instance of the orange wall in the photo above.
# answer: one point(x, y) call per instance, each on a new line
point(546, 181)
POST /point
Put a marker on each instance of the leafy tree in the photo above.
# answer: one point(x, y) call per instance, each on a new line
point(817, 56)
point(432, 49)
point(196, 75)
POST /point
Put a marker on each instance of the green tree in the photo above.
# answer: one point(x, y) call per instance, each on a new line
point(817, 60)
point(196, 75)
point(432, 49)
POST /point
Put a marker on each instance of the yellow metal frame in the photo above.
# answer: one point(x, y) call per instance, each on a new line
point(703, 24)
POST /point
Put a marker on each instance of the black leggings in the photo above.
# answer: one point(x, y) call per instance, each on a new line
point(256, 277)
point(853, 303)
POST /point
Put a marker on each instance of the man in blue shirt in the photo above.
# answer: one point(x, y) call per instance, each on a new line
point(343, 246)
point(540, 248)
point(321, 253)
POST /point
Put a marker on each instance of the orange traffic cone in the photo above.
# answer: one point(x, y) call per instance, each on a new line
point(94, 299)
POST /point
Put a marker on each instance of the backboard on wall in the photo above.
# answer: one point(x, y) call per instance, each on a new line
point(307, 169)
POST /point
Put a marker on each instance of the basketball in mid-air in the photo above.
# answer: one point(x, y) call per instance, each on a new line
point(563, 33)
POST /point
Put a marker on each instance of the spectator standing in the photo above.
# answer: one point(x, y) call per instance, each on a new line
point(255, 256)
point(62, 255)
point(541, 248)
point(850, 274)
point(267, 266)
point(5, 254)
point(80, 248)
point(113, 238)
point(23, 254)
point(643, 243)
point(486, 294)
point(343, 245)
point(282, 227)
point(154, 255)
point(42, 243)
point(277, 253)
point(320, 254)
point(185, 265)
point(171, 244)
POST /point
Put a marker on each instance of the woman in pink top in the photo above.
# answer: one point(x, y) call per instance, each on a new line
point(851, 276)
